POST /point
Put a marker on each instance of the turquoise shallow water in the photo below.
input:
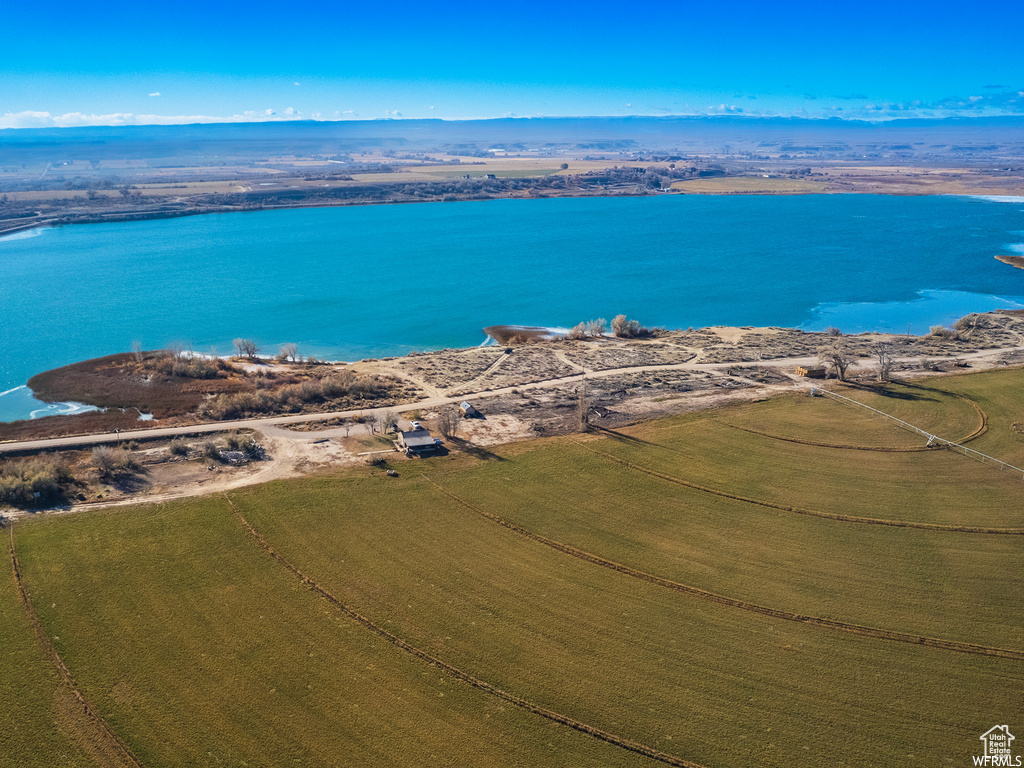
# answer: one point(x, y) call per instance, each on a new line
point(362, 282)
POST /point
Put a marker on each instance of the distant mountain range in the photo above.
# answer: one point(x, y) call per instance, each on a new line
point(726, 135)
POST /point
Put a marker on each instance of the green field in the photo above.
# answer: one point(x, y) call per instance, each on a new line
point(454, 602)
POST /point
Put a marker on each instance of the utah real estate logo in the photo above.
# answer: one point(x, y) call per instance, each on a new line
point(997, 751)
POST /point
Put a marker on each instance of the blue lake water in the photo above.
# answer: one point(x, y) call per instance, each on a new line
point(350, 283)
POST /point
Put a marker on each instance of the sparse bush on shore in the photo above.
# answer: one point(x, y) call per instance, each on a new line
point(288, 353)
point(627, 329)
point(591, 328)
point(942, 332)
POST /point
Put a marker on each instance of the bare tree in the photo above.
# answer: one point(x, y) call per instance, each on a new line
point(884, 351)
point(175, 349)
point(388, 421)
point(448, 421)
point(346, 424)
point(583, 406)
point(596, 327)
point(289, 351)
point(137, 351)
point(837, 356)
point(246, 347)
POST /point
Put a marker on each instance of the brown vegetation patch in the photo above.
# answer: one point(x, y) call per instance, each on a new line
point(157, 384)
point(181, 388)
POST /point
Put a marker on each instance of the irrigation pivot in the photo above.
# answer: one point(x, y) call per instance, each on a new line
point(934, 441)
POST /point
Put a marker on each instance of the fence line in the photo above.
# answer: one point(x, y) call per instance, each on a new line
point(934, 441)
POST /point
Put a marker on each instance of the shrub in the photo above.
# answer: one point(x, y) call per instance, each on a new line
point(210, 450)
point(178, 448)
point(112, 463)
point(941, 332)
point(21, 479)
point(311, 390)
point(626, 329)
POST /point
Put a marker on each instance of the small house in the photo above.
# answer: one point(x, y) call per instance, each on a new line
point(416, 441)
point(468, 411)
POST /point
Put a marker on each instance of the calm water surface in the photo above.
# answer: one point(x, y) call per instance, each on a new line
point(358, 282)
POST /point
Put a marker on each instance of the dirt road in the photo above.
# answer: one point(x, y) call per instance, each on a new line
point(986, 358)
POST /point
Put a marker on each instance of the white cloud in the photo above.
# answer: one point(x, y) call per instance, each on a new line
point(34, 119)
point(392, 113)
point(296, 83)
point(292, 112)
point(725, 109)
point(155, 93)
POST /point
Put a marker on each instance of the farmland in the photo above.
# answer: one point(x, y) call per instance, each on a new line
point(790, 582)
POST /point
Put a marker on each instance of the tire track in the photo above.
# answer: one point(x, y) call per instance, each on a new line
point(712, 597)
point(809, 512)
point(110, 741)
point(597, 733)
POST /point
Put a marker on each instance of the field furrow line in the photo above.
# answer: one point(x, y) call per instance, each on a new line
point(840, 446)
point(809, 512)
point(118, 753)
point(713, 597)
point(977, 432)
point(597, 733)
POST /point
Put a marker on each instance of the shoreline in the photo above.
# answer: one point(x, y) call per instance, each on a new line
point(114, 217)
point(630, 366)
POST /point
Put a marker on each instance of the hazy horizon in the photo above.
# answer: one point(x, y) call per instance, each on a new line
point(128, 64)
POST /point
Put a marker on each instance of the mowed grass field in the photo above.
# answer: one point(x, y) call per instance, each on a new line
point(199, 647)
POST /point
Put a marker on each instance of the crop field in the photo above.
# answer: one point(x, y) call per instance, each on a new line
point(701, 590)
point(749, 185)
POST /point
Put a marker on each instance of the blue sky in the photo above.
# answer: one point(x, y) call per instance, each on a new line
point(67, 63)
